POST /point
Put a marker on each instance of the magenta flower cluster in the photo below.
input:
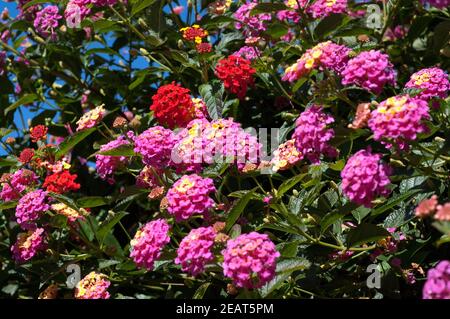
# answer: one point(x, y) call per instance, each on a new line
point(433, 82)
point(47, 21)
point(334, 57)
point(30, 207)
point(440, 4)
point(398, 120)
point(252, 25)
point(323, 8)
point(28, 245)
point(18, 182)
point(155, 145)
point(364, 178)
point(437, 285)
point(93, 286)
point(196, 250)
point(311, 135)
point(107, 164)
point(148, 243)
point(250, 260)
point(204, 142)
point(189, 196)
point(370, 70)
point(248, 53)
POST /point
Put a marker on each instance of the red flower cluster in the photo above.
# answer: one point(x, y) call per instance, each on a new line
point(236, 74)
point(203, 47)
point(173, 106)
point(61, 182)
point(26, 155)
point(39, 132)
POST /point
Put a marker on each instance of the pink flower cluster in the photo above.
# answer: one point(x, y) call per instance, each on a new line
point(323, 8)
point(364, 178)
point(155, 145)
point(190, 195)
point(312, 136)
point(147, 244)
point(16, 184)
point(433, 81)
point(250, 260)
point(93, 286)
point(47, 21)
point(148, 177)
point(252, 25)
point(106, 164)
point(77, 9)
point(195, 250)
point(248, 53)
point(326, 55)
point(208, 142)
point(399, 119)
point(30, 207)
point(28, 245)
point(285, 156)
point(437, 285)
point(440, 4)
point(370, 70)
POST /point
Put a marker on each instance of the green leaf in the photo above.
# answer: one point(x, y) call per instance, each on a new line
point(139, 5)
point(200, 292)
point(293, 264)
point(72, 141)
point(365, 233)
point(334, 216)
point(106, 226)
point(6, 162)
point(288, 184)
point(26, 99)
point(236, 211)
point(277, 30)
point(392, 202)
point(8, 205)
point(267, 7)
point(93, 201)
point(122, 150)
point(212, 95)
point(328, 24)
point(35, 2)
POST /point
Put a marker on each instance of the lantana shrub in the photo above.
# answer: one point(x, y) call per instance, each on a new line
point(224, 149)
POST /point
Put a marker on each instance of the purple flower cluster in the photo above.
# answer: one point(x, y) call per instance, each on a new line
point(324, 8)
point(28, 245)
point(437, 285)
point(17, 183)
point(364, 178)
point(204, 142)
point(190, 195)
point(252, 25)
point(312, 136)
point(195, 250)
point(248, 53)
point(399, 119)
point(30, 207)
point(440, 4)
point(148, 243)
point(107, 164)
point(47, 21)
point(155, 145)
point(250, 260)
point(370, 70)
point(433, 81)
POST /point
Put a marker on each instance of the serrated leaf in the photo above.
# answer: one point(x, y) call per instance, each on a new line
point(212, 95)
point(288, 184)
point(237, 209)
point(72, 141)
point(200, 292)
point(93, 201)
point(365, 233)
point(26, 99)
